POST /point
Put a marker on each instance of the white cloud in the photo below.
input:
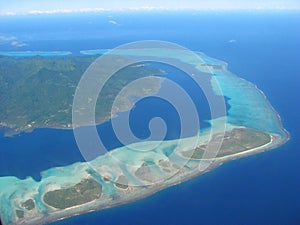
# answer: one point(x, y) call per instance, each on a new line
point(4, 38)
point(8, 13)
point(17, 7)
point(148, 8)
point(12, 40)
point(84, 10)
point(55, 11)
point(232, 41)
point(113, 22)
point(18, 44)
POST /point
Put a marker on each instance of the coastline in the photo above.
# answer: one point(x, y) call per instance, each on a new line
point(213, 61)
point(275, 142)
point(54, 215)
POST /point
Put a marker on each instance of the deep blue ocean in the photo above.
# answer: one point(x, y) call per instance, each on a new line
point(262, 47)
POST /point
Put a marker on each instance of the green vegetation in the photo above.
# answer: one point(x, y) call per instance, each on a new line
point(29, 204)
point(216, 67)
point(85, 191)
point(238, 140)
point(20, 213)
point(38, 91)
point(145, 173)
point(122, 182)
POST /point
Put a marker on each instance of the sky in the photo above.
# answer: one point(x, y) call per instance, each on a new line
point(15, 7)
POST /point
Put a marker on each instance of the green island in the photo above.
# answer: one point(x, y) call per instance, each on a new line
point(38, 91)
point(28, 204)
point(85, 191)
point(122, 182)
point(19, 213)
point(237, 140)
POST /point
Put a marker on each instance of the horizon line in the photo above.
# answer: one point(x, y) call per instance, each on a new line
point(138, 9)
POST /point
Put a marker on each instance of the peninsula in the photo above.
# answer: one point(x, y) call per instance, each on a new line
point(38, 91)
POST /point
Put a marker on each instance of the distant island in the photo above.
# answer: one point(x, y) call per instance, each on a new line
point(121, 175)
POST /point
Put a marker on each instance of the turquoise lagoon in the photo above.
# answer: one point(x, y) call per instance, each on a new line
point(249, 107)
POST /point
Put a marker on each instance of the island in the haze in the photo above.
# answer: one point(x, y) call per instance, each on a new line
point(123, 174)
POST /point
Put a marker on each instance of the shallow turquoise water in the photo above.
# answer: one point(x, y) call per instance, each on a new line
point(251, 190)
